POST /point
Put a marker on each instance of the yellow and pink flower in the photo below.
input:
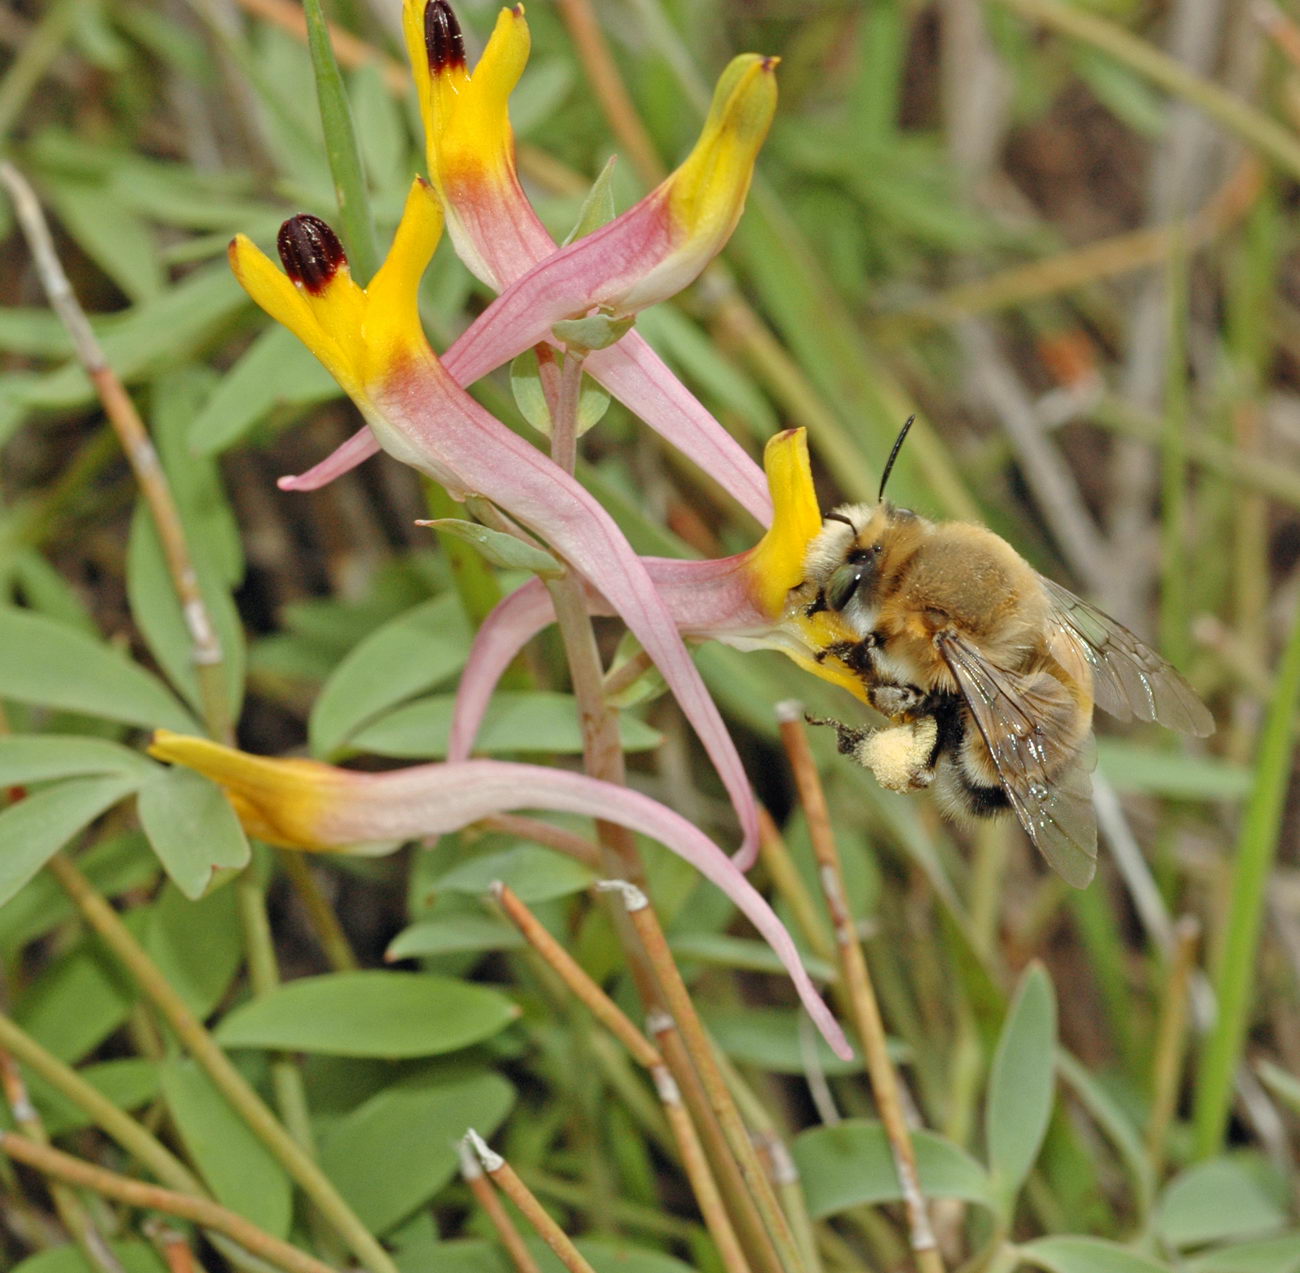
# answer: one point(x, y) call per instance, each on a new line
point(303, 804)
point(646, 255)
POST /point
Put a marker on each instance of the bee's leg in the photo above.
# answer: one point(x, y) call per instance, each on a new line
point(900, 757)
point(898, 702)
point(855, 655)
point(850, 737)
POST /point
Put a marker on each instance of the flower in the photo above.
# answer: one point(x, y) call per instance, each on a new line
point(303, 804)
point(372, 342)
point(651, 251)
point(739, 600)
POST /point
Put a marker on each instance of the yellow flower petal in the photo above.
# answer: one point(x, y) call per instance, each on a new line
point(777, 560)
point(279, 801)
point(707, 193)
point(391, 327)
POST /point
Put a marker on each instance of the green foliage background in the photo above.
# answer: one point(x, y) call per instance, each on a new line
point(1022, 221)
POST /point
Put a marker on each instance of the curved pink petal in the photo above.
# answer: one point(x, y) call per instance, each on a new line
point(426, 421)
point(710, 598)
point(358, 448)
point(430, 799)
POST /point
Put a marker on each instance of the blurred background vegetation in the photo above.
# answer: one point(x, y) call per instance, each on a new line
point(1059, 232)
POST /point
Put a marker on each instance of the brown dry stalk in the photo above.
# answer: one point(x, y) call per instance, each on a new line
point(505, 1178)
point(855, 987)
point(481, 1187)
point(700, 1047)
point(135, 1193)
point(612, 1017)
point(206, 653)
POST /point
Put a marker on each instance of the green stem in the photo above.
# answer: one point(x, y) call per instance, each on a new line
point(1235, 973)
point(205, 1050)
point(341, 147)
point(124, 1129)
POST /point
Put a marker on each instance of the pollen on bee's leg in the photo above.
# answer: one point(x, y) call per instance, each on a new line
point(899, 758)
point(442, 37)
point(311, 251)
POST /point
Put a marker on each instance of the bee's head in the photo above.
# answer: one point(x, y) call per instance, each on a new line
point(870, 547)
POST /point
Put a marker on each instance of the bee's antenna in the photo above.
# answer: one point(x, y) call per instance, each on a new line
point(893, 455)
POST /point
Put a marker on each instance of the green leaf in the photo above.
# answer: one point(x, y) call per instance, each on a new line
point(1218, 1201)
point(35, 829)
point(456, 934)
point(598, 207)
point(1268, 1255)
point(276, 370)
point(523, 721)
point(53, 665)
point(385, 1014)
point(239, 1169)
point(535, 874)
point(778, 1040)
point(198, 945)
point(28, 758)
point(192, 829)
point(341, 147)
point(530, 398)
point(1133, 767)
point(1021, 1084)
point(851, 1163)
point(414, 652)
point(129, 1083)
point(113, 236)
point(134, 1257)
point(150, 337)
point(500, 548)
point(396, 1151)
point(75, 1003)
point(1074, 1254)
point(113, 865)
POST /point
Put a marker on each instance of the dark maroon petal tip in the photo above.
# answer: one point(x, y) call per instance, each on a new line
point(311, 251)
point(442, 37)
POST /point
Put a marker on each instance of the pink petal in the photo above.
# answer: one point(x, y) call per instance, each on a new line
point(360, 446)
point(568, 283)
point(431, 799)
point(706, 599)
point(642, 382)
point(428, 422)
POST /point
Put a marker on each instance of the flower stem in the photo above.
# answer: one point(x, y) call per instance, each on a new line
point(855, 985)
point(205, 1050)
point(135, 1193)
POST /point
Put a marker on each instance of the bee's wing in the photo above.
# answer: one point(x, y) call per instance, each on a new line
point(1129, 678)
point(1055, 808)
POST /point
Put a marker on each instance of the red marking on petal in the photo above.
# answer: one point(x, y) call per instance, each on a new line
point(311, 252)
point(442, 37)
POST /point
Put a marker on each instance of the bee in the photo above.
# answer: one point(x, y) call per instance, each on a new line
point(987, 671)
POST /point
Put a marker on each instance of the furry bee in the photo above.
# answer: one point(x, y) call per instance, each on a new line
point(987, 671)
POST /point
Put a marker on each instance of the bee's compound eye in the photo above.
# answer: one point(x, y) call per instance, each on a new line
point(844, 583)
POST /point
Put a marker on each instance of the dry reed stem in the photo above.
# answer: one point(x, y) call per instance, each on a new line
point(603, 74)
point(506, 1179)
point(608, 1013)
point(485, 1194)
point(206, 654)
point(700, 1048)
point(855, 986)
point(135, 1193)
